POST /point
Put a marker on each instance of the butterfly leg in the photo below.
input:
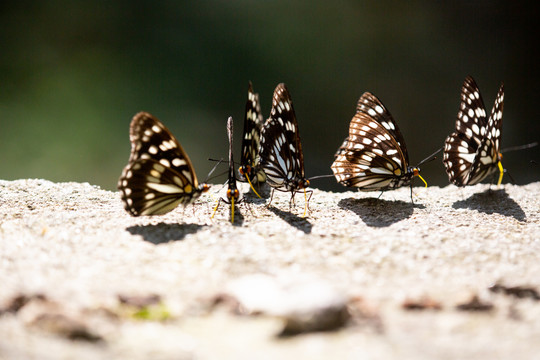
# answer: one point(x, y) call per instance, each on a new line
point(307, 198)
point(271, 197)
point(215, 208)
point(510, 176)
point(412, 200)
point(378, 197)
point(292, 202)
point(249, 208)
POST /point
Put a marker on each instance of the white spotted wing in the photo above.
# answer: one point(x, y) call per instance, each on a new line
point(253, 122)
point(159, 175)
point(374, 155)
point(281, 151)
point(472, 152)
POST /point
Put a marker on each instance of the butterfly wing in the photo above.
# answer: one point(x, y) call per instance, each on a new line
point(458, 157)
point(471, 152)
point(495, 120)
point(281, 150)
point(159, 175)
point(149, 188)
point(487, 155)
point(370, 107)
point(472, 114)
point(253, 123)
point(373, 156)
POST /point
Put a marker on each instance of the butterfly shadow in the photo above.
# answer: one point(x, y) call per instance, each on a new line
point(492, 201)
point(163, 232)
point(379, 212)
point(238, 216)
point(262, 189)
point(251, 198)
point(294, 220)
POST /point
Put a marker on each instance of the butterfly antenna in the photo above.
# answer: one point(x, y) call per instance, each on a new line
point(221, 160)
point(320, 176)
point(430, 158)
point(520, 147)
point(208, 177)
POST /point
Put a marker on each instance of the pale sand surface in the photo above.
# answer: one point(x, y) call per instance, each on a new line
point(70, 250)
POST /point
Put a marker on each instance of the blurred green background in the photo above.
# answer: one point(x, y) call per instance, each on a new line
point(73, 73)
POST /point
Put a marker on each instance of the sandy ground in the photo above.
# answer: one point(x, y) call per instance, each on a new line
point(454, 275)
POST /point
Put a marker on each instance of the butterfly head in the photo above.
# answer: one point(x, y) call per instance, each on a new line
point(416, 172)
point(304, 183)
point(233, 194)
point(295, 185)
point(246, 173)
point(233, 197)
point(203, 188)
point(245, 170)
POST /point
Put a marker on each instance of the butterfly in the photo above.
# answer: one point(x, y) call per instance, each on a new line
point(280, 154)
point(249, 170)
point(374, 155)
point(472, 152)
point(233, 194)
point(159, 175)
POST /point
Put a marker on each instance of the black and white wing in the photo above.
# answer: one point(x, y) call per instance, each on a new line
point(374, 155)
point(281, 155)
point(159, 175)
point(251, 143)
point(472, 152)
